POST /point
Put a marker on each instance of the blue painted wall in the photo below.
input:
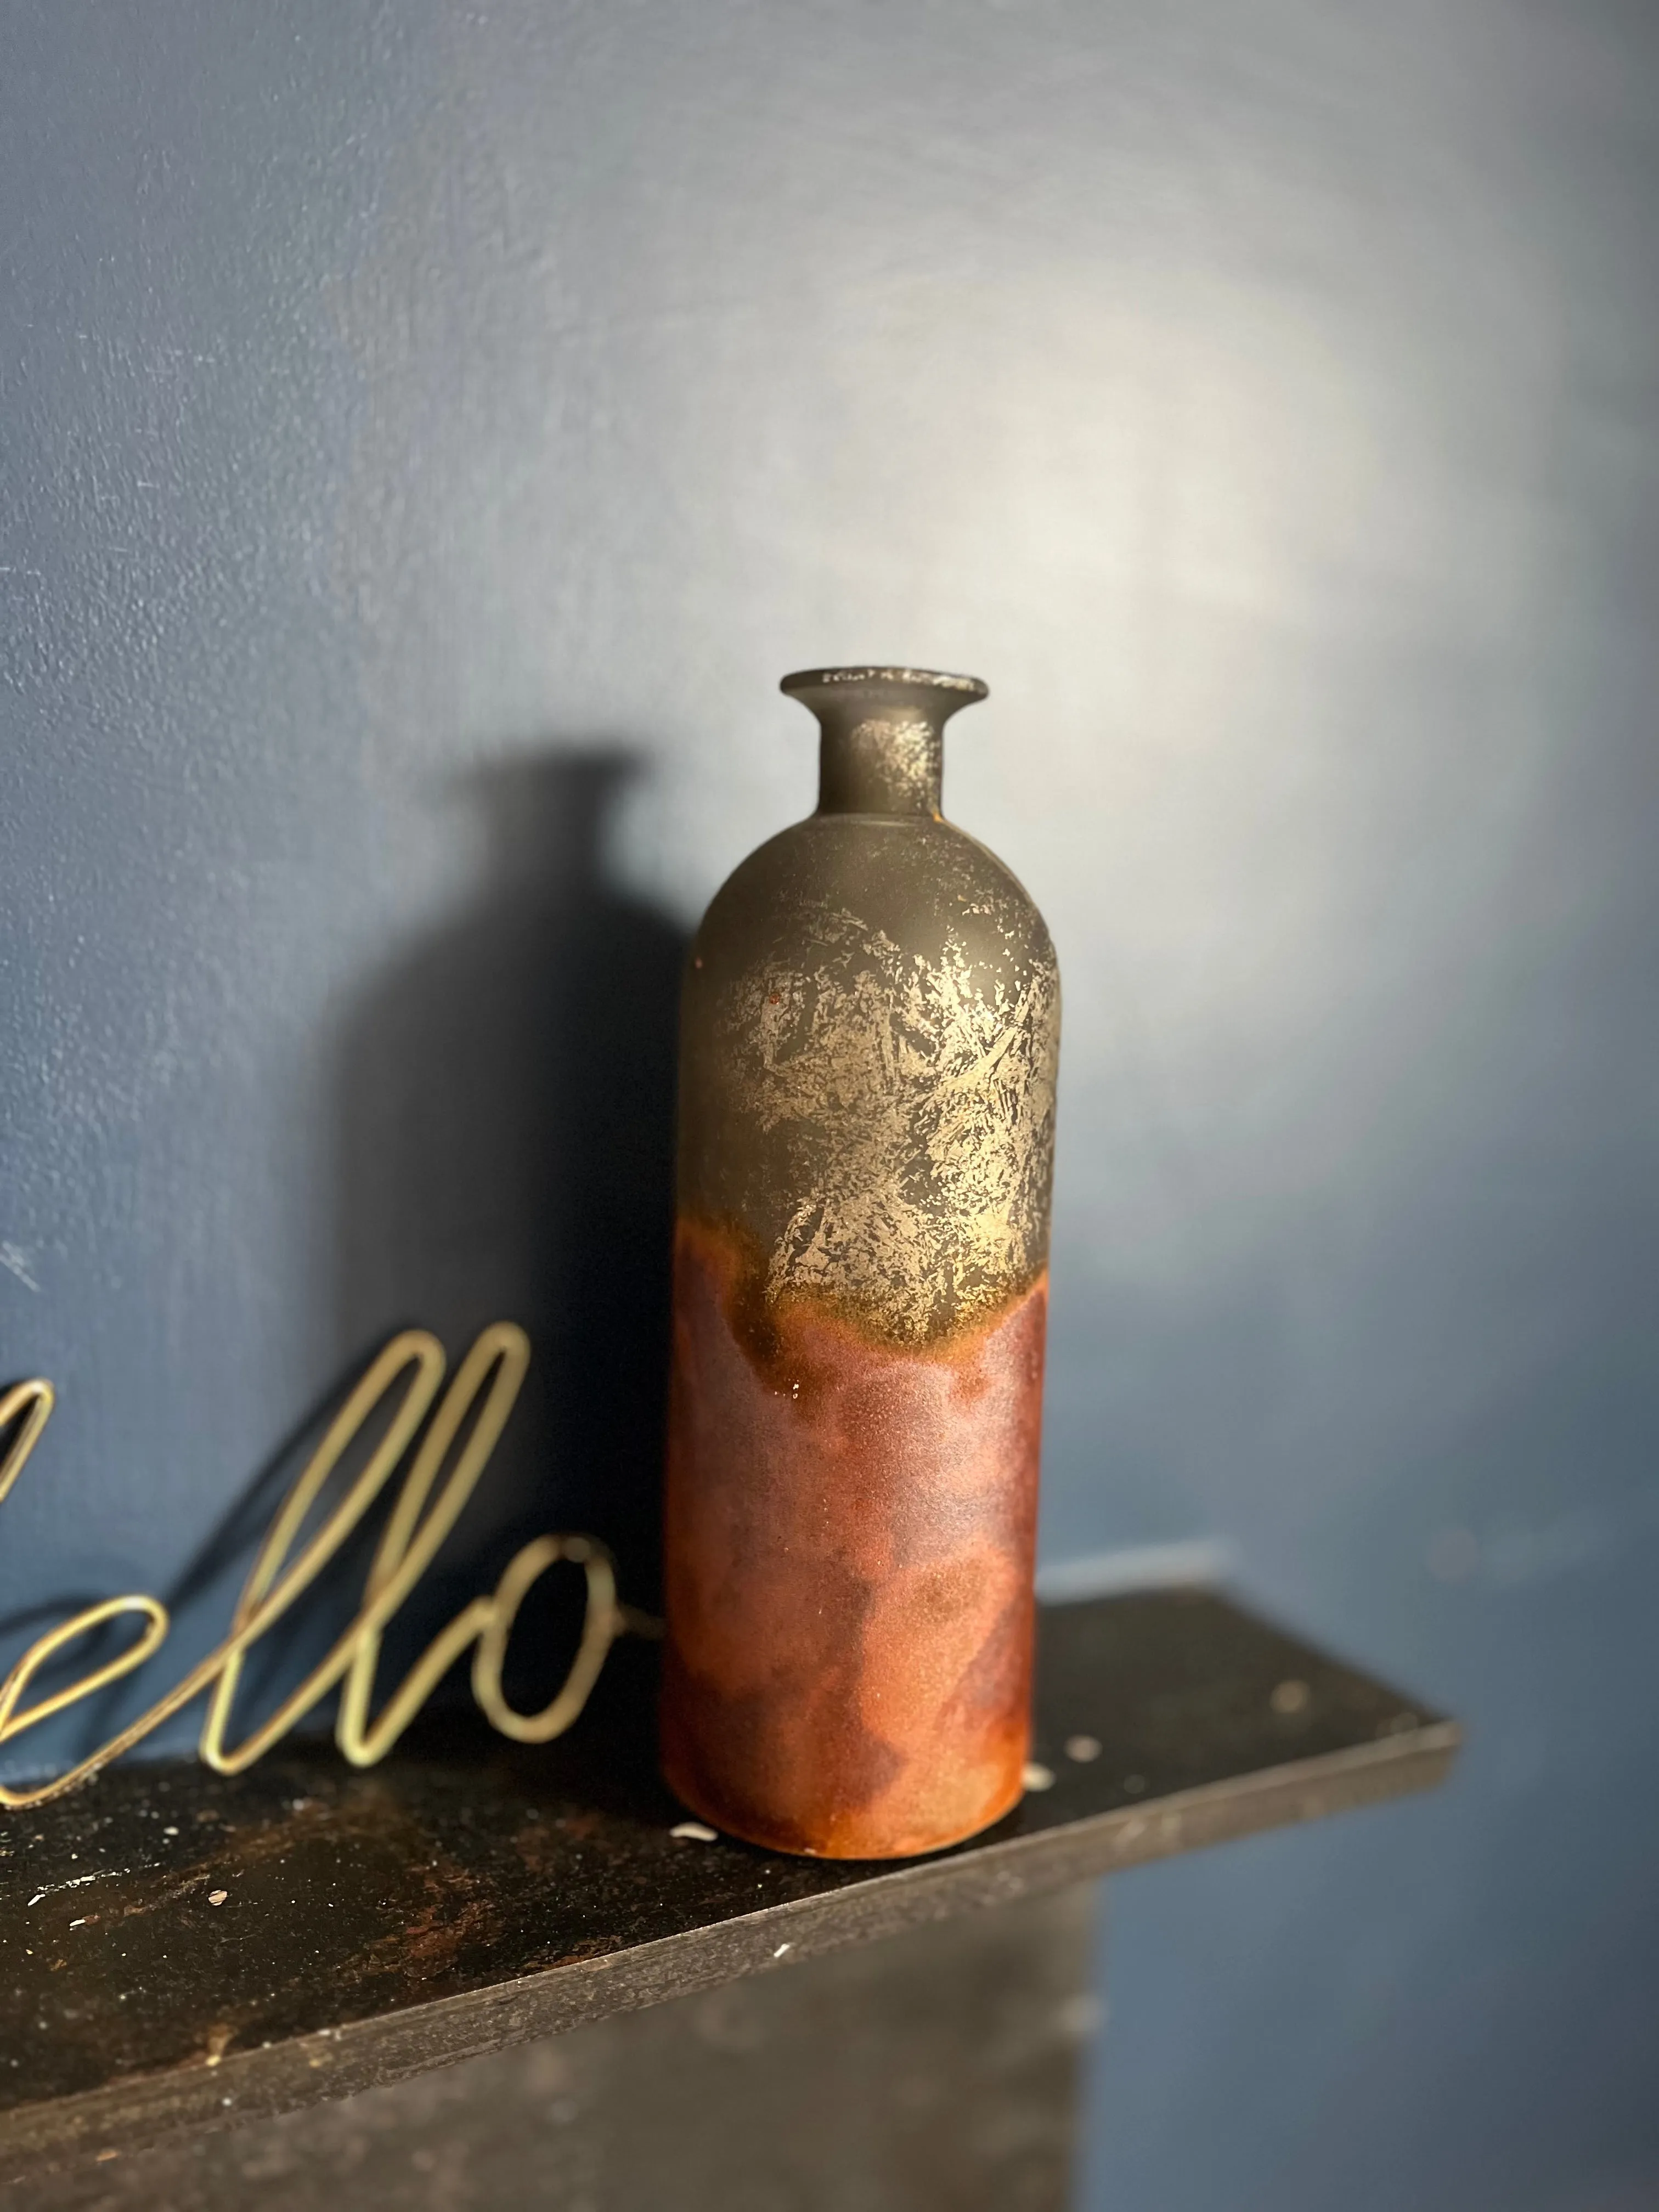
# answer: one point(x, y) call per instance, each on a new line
point(426, 434)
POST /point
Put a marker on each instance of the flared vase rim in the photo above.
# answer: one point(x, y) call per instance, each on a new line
point(963, 691)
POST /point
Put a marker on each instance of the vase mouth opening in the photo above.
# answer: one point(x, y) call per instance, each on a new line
point(930, 688)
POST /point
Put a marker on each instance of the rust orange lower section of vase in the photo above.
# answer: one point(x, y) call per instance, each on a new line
point(850, 1540)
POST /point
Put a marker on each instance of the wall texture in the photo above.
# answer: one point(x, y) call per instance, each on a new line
point(427, 432)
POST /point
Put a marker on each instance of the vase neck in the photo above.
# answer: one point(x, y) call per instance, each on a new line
point(881, 749)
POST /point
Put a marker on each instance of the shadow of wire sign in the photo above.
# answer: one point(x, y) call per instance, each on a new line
point(1262, 399)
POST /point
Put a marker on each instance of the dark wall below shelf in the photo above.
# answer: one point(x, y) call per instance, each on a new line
point(936, 2068)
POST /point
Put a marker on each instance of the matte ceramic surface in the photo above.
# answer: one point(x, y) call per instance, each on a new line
point(870, 1039)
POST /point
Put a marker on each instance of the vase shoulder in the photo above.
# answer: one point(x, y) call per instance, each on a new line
point(834, 884)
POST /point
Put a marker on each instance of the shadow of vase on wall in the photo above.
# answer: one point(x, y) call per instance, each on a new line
point(505, 1102)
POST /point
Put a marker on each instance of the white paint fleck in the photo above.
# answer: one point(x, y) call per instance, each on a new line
point(19, 1263)
point(77, 1882)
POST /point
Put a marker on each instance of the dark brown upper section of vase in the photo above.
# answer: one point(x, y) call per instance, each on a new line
point(870, 1036)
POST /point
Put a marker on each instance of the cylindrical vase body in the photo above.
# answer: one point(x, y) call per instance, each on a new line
point(870, 1034)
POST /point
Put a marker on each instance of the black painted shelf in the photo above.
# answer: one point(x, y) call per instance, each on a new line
point(467, 1894)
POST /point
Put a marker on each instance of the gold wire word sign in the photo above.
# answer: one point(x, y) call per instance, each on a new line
point(422, 1514)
